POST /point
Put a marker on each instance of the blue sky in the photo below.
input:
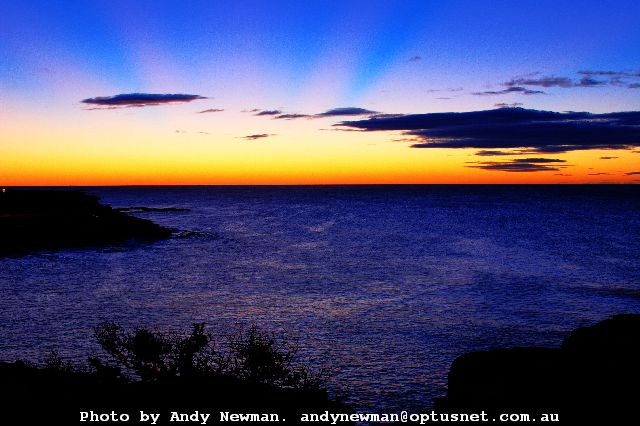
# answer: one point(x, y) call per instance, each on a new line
point(309, 57)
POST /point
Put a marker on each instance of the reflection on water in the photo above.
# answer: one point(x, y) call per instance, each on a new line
point(384, 286)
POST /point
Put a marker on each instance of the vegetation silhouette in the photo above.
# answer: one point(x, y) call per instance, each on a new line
point(248, 371)
point(248, 355)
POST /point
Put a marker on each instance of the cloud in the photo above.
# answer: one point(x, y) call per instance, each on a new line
point(269, 112)
point(210, 110)
point(515, 167)
point(386, 115)
point(510, 128)
point(493, 153)
point(512, 89)
point(523, 165)
point(257, 136)
point(291, 116)
point(607, 158)
point(566, 148)
point(336, 112)
point(505, 105)
point(542, 82)
point(586, 78)
point(609, 73)
point(599, 174)
point(125, 100)
point(538, 160)
point(415, 58)
point(590, 82)
point(251, 110)
point(632, 173)
point(197, 132)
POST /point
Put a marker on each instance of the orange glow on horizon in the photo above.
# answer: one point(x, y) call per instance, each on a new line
point(149, 148)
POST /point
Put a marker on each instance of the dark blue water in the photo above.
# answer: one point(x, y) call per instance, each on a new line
point(382, 285)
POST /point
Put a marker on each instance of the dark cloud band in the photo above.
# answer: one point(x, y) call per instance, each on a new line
point(508, 128)
point(140, 99)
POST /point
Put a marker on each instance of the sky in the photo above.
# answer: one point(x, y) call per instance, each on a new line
point(326, 92)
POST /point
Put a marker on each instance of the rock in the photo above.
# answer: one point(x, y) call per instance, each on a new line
point(593, 376)
point(54, 219)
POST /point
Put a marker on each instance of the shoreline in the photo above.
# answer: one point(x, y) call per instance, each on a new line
point(47, 219)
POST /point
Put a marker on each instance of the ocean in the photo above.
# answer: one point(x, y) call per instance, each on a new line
point(381, 286)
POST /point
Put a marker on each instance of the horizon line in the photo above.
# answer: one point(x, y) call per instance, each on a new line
point(322, 185)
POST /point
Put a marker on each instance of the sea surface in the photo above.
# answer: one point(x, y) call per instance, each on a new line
point(382, 286)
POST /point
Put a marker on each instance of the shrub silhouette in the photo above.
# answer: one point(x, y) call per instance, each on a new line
point(249, 355)
point(142, 369)
point(262, 358)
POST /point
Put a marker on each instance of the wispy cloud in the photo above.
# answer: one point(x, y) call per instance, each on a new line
point(584, 78)
point(125, 100)
point(590, 82)
point(268, 112)
point(291, 116)
point(334, 112)
point(210, 110)
point(632, 173)
point(541, 81)
point(415, 58)
point(505, 105)
point(337, 112)
point(257, 136)
point(183, 132)
point(514, 89)
point(521, 165)
point(496, 153)
point(538, 160)
point(609, 73)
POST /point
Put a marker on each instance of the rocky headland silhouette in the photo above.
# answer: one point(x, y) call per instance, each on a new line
point(44, 219)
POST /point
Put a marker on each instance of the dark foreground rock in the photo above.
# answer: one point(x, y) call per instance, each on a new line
point(49, 220)
point(593, 377)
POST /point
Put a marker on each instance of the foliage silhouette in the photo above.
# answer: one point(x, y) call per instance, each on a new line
point(248, 355)
point(243, 371)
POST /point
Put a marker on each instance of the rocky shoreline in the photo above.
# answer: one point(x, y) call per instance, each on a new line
point(43, 219)
point(594, 375)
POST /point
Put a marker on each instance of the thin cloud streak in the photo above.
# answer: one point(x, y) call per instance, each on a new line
point(125, 100)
